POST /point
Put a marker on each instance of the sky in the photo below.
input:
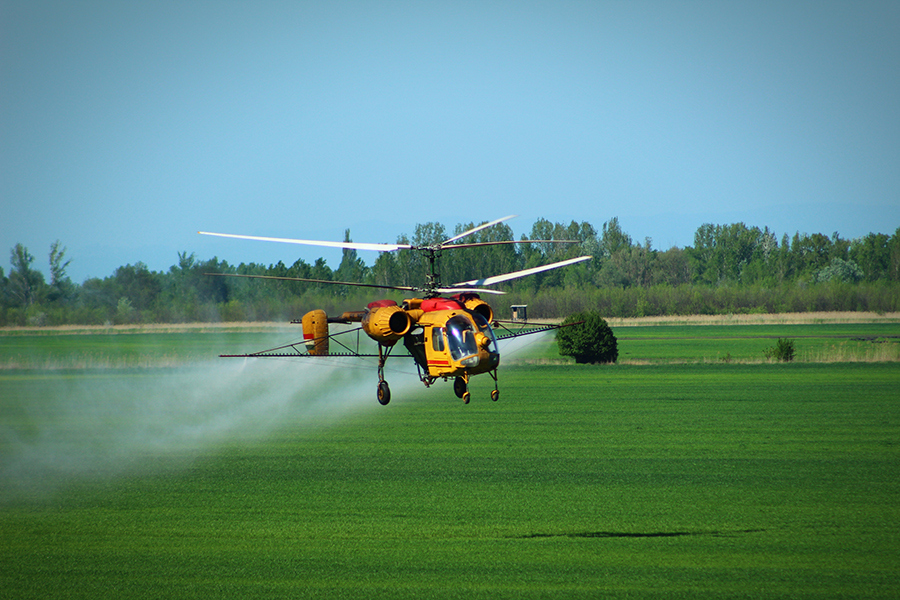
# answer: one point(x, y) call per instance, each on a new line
point(126, 127)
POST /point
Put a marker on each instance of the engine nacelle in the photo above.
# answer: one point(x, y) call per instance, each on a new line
point(480, 307)
point(315, 332)
point(386, 324)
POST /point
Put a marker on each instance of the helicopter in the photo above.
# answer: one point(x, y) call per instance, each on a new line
point(449, 331)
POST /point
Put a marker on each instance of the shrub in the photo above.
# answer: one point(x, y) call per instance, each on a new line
point(782, 351)
point(589, 342)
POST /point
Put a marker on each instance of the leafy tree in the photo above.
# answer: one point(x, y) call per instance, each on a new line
point(534, 255)
point(472, 263)
point(840, 248)
point(672, 267)
point(61, 287)
point(589, 342)
point(613, 239)
point(629, 266)
point(893, 273)
point(352, 268)
point(782, 351)
point(402, 266)
point(737, 245)
point(703, 254)
point(731, 268)
point(872, 254)
point(137, 283)
point(541, 230)
point(25, 284)
point(819, 248)
point(321, 270)
point(385, 271)
point(124, 311)
point(722, 252)
point(844, 271)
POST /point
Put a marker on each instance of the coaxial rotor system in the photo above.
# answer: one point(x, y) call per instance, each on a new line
point(449, 331)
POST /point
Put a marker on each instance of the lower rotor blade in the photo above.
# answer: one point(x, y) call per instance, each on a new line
point(468, 289)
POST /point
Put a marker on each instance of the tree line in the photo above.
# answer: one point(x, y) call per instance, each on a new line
point(730, 268)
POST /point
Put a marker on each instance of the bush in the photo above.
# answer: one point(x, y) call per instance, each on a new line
point(589, 342)
point(783, 351)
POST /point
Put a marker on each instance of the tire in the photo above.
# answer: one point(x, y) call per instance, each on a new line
point(459, 387)
point(384, 393)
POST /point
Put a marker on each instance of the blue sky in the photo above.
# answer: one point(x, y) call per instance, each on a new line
point(126, 127)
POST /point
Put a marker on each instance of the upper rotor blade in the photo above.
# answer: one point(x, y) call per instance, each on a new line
point(479, 228)
point(524, 273)
point(498, 242)
point(328, 281)
point(348, 245)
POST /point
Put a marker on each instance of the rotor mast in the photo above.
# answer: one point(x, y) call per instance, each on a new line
point(433, 277)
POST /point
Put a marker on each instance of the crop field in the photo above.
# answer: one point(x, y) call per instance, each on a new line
point(135, 464)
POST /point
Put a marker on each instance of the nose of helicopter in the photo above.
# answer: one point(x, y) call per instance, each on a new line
point(482, 340)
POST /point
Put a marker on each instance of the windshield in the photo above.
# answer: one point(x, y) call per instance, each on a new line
point(461, 338)
point(486, 330)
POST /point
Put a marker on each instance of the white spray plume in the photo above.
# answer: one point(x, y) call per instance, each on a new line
point(521, 347)
point(105, 423)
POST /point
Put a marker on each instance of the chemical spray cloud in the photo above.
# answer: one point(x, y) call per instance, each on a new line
point(517, 348)
point(107, 423)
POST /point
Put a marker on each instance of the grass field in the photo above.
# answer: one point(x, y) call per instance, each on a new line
point(686, 477)
point(819, 337)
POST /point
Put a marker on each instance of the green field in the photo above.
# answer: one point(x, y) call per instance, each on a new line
point(686, 477)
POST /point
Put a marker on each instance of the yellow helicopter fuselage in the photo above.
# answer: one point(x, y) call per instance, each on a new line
point(456, 343)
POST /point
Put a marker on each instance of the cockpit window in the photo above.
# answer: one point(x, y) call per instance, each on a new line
point(487, 330)
point(461, 338)
point(437, 338)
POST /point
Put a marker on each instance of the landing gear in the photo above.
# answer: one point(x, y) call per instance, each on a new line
point(495, 393)
point(384, 393)
point(461, 388)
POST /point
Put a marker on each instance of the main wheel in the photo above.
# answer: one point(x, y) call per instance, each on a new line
point(460, 387)
point(495, 395)
point(384, 393)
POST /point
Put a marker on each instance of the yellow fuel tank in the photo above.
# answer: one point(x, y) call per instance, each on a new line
point(315, 332)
